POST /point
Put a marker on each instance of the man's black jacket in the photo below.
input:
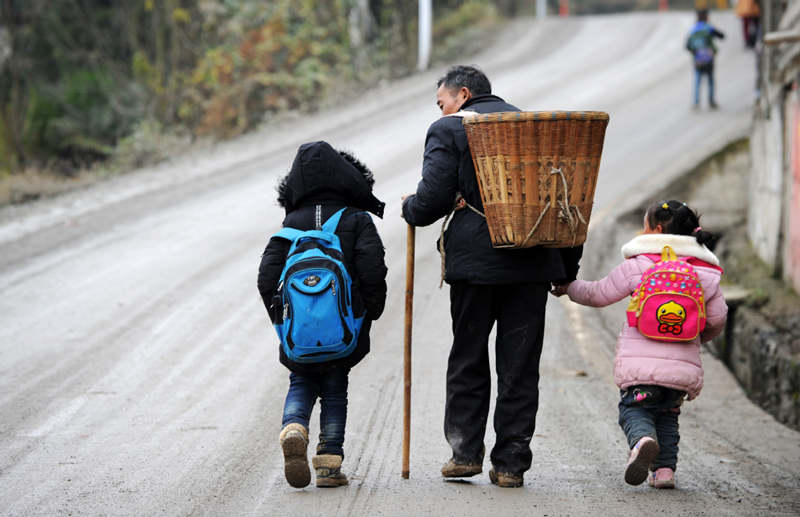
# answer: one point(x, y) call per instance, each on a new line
point(447, 169)
point(320, 176)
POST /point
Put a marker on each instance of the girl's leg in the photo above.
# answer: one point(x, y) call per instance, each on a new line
point(303, 392)
point(333, 417)
point(636, 420)
point(668, 438)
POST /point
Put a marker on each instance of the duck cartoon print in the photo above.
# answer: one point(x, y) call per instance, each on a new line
point(671, 316)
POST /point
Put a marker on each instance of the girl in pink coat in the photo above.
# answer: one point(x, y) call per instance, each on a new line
point(655, 374)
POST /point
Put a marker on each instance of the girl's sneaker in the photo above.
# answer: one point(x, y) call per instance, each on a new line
point(294, 441)
point(642, 455)
point(662, 478)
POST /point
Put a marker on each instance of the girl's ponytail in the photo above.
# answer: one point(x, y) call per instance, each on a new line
point(677, 218)
point(703, 237)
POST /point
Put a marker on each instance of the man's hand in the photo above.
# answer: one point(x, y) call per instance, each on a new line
point(402, 201)
point(559, 289)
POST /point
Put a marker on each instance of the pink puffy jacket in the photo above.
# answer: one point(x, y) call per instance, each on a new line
point(644, 361)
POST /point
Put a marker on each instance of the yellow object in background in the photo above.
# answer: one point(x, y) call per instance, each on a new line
point(704, 4)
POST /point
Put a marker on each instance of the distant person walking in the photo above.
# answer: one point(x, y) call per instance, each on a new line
point(676, 305)
point(701, 45)
point(749, 12)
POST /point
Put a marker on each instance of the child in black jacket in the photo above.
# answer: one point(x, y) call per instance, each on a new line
point(323, 177)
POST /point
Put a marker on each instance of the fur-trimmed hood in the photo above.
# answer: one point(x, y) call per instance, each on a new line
point(320, 172)
point(683, 245)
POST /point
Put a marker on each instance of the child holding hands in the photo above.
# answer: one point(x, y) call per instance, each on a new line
point(657, 364)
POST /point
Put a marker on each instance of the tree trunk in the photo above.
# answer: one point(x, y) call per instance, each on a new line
point(14, 103)
point(361, 29)
point(159, 33)
point(173, 86)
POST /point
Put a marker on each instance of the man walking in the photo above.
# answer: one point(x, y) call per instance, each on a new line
point(487, 285)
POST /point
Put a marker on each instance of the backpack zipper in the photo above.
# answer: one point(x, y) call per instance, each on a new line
point(333, 287)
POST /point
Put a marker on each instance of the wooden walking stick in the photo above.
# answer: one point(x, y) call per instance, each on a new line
point(407, 348)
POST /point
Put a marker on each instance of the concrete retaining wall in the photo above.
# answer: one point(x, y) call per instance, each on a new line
point(759, 355)
point(766, 192)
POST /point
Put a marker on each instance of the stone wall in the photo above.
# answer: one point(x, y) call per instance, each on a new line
point(765, 358)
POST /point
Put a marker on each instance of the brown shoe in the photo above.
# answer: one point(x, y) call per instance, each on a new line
point(294, 441)
point(329, 470)
point(505, 479)
point(451, 469)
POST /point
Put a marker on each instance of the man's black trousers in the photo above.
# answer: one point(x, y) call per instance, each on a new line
point(519, 311)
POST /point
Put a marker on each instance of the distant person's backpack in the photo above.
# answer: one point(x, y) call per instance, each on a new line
point(702, 48)
point(316, 322)
point(668, 303)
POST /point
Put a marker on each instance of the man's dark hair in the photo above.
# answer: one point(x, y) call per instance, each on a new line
point(458, 76)
point(702, 15)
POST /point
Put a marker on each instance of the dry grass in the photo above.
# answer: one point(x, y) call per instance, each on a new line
point(33, 184)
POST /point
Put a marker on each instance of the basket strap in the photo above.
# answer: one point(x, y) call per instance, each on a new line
point(459, 204)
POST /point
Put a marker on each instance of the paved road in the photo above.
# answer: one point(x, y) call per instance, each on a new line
point(138, 374)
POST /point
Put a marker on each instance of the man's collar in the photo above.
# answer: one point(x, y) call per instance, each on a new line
point(480, 98)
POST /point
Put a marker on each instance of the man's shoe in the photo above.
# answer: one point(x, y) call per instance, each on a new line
point(451, 469)
point(294, 441)
point(662, 478)
point(642, 455)
point(505, 479)
point(328, 468)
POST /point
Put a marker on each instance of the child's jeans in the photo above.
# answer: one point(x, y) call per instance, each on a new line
point(331, 388)
point(698, 75)
point(652, 411)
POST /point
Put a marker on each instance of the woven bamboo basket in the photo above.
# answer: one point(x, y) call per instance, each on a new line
point(537, 173)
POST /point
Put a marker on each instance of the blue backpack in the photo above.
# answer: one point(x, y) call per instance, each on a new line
point(702, 47)
point(317, 323)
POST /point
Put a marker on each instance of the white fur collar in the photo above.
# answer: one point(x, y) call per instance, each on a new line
point(683, 245)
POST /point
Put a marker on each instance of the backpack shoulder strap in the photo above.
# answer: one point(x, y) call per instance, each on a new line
point(333, 221)
point(290, 234)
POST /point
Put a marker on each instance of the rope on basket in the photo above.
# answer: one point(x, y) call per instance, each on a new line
point(535, 226)
point(460, 203)
point(565, 209)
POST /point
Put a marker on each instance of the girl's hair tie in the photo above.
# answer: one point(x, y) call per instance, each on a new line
point(697, 229)
point(665, 206)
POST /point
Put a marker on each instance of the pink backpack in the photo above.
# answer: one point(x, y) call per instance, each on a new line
point(668, 303)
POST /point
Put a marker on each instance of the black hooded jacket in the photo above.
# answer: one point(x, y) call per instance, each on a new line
point(322, 176)
point(447, 169)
